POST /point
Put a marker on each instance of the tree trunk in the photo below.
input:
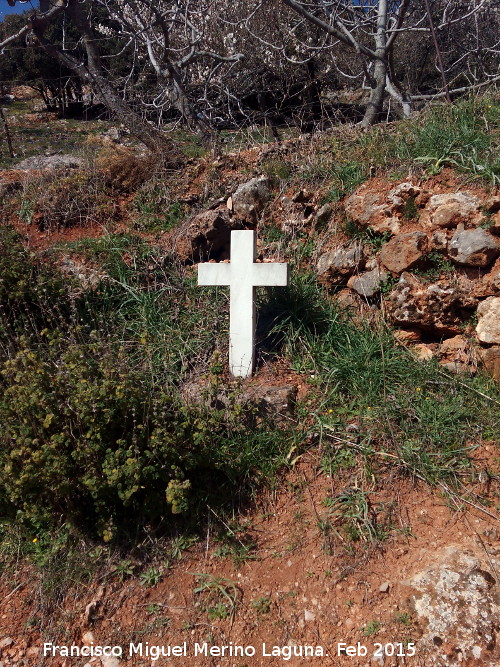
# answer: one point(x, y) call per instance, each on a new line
point(7, 133)
point(378, 82)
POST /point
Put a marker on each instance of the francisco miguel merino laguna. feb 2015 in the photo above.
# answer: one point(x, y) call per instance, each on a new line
point(154, 652)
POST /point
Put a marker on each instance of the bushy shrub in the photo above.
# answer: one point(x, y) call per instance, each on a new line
point(80, 198)
point(124, 170)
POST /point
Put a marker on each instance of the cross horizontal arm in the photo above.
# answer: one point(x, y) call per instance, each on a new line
point(270, 275)
point(214, 274)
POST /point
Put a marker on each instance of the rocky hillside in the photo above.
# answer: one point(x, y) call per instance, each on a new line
point(341, 506)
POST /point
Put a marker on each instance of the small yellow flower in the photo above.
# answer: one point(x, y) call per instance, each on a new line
point(418, 389)
point(35, 540)
point(368, 408)
point(330, 411)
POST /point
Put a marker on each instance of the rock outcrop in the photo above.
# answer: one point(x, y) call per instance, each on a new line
point(370, 209)
point(404, 251)
point(65, 161)
point(449, 210)
point(439, 307)
point(336, 266)
point(368, 284)
point(205, 236)
point(249, 199)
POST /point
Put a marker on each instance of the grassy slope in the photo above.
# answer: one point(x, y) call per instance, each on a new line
point(97, 431)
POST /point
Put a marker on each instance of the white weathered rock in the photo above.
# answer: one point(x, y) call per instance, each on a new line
point(473, 247)
point(322, 215)
point(276, 402)
point(457, 601)
point(51, 162)
point(439, 239)
point(399, 195)
point(249, 199)
point(110, 661)
point(88, 638)
point(488, 326)
point(448, 210)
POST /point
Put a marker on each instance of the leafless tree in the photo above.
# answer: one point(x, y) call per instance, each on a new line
point(205, 62)
point(465, 37)
point(91, 70)
point(179, 43)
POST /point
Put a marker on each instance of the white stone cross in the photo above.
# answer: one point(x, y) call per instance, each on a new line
point(243, 276)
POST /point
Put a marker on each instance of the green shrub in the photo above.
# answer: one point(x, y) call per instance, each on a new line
point(31, 293)
point(87, 439)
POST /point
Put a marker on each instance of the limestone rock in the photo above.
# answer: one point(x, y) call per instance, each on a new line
point(88, 638)
point(336, 266)
point(404, 251)
point(205, 236)
point(455, 349)
point(295, 215)
point(88, 277)
point(322, 215)
point(368, 284)
point(458, 356)
point(114, 135)
point(110, 661)
point(249, 199)
point(399, 195)
point(448, 210)
point(457, 602)
point(423, 352)
point(348, 300)
point(275, 401)
point(495, 227)
point(65, 161)
point(491, 362)
point(408, 335)
point(488, 326)
point(473, 247)
point(439, 240)
point(438, 307)
point(369, 209)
